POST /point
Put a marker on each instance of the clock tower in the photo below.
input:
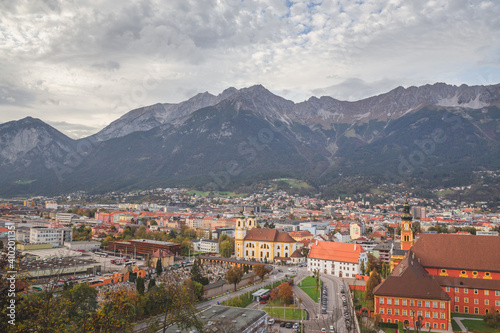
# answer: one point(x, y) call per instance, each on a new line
point(406, 230)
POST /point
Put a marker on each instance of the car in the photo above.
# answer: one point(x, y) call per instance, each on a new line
point(270, 321)
point(323, 311)
point(263, 302)
point(323, 330)
point(331, 328)
point(288, 325)
point(282, 324)
point(296, 325)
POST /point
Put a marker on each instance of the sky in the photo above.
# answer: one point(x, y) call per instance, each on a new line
point(78, 65)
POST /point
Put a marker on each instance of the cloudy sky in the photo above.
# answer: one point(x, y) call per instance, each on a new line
point(79, 65)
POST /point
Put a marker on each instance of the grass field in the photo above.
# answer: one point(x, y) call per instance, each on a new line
point(359, 299)
point(308, 285)
point(478, 325)
point(24, 182)
point(285, 313)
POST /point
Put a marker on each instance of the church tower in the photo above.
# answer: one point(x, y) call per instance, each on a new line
point(239, 234)
point(406, 230)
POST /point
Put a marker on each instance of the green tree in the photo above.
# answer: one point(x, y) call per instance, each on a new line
point(373, 281)
point(362, 268)
point(226, 249)
point(159, 267)
point(140, 285)
point(172, 234)
point(234, 276)
point(151, 284)
point(196, 273)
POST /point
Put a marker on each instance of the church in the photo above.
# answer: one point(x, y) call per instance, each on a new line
point(261, 244)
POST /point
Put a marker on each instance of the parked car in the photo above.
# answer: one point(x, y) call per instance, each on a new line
point(323, 311)
point(296, 325)
point(271, 321)
point(288, 325)
point(282, 324)
point(263, 302)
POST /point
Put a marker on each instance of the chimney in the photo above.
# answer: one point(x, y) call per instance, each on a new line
point(354, 246)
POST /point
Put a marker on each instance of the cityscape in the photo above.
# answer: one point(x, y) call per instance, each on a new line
point(253, 166)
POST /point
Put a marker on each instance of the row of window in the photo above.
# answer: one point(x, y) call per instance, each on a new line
point(476, 310)
point(475, 291)
point(435, 315)
point(476, 301)
point(427, 325)
point(405, 302)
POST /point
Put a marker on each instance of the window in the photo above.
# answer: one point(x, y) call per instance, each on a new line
point(442, 315)
point(435, 315)
point(474, 274)
point(427, 314)
point(457, 299)
point(396, 312)
point(486, 302)
point(456, 290)
point(389, 301)
point(412, 303)
point(497, 293)
point(389, 311)
point(435, 305)
point(388, 320)
point(466, 290)
point(476, 310)
point(486, 292)
point(487, 275)
point(419, 304)
point(497, 303)
point(404, 312)
point(466, 300)
point(442, 326)
point(381, 310)
point(396, 301)
point(442, 305)
point(476, 301)
point(419, 313)
point(475, 291)
point(466, 309)
point(456, 308)
point(404, 302)
point(435, 325)
point(427, 304)
point(447, 289)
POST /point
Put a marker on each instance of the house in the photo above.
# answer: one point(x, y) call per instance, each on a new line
point(338, 259)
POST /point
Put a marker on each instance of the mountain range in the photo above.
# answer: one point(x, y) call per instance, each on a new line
point(428, 136)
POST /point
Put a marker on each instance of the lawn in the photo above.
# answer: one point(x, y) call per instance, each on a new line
point(465, 315)
point(308, 282)
point(478, 325)
point(360, 301)
point(312, 292)
point(285, 313)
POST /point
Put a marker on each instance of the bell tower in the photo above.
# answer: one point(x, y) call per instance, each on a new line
point(406, 228)
point(239, 235)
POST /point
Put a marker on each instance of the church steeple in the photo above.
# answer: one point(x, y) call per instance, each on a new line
point(406, 228)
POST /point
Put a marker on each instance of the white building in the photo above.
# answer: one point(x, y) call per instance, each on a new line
point(338, 259)
point(64, 218)
point(51, 205)
point(83, 245)
point(56, 236)
point(208, 246)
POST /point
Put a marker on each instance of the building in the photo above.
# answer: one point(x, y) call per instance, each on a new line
point(410, 293)
point(51, 205)
point(83, 245)
point(208, 246)
point(252, 243)
point(419, 212)
point(338, 259)
point(400, 248)
point(465, 267)
point(301, 235)
point(56, 236)
point(354, 231)
point(147, 247)
point(225, 318)
point(165, 256)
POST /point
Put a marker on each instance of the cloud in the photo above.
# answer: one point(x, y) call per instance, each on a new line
point(79, 62)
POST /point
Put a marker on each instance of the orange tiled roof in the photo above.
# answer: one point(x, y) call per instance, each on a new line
point(336, 251)
point(268, 235)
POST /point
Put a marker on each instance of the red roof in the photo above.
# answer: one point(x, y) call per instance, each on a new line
point(268, 235)
point(335, 251)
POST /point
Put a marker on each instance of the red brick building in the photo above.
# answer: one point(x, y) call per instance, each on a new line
point(442, 273)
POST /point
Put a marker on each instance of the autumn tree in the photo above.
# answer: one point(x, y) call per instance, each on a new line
point(159, 267)
point(234, 276)
point(261, 270)
point(196, 273)
point(373, 281)
point(285, 293)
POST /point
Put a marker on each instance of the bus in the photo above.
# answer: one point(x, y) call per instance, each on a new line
point(101, 254)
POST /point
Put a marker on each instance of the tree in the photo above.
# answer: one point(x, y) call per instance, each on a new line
point(140, 285)
point(261, 270)
point(285, 293)
point(196, 273)
point(186, 247)
point(151, 284)
point(373, 281)
point(172, 234)
point(362, 268)
point(234, 276)
point(226, 249)
point(316, 277)
point(492, 318)
point(159, 267)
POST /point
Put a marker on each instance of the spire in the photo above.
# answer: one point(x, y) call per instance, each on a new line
point(406, 212)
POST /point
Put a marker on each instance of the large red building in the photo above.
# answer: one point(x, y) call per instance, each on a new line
point(440, 274)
